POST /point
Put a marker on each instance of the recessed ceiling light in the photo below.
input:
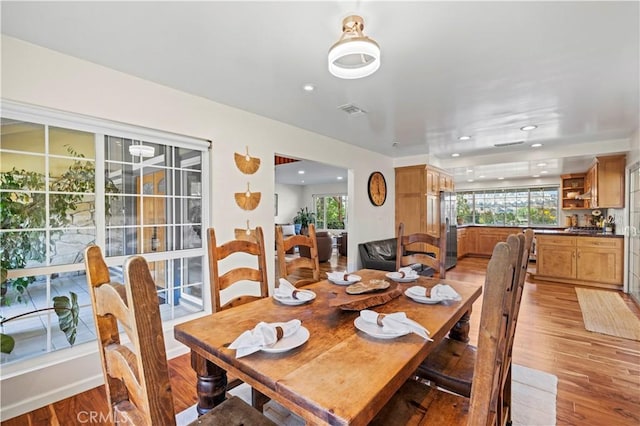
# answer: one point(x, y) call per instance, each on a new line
point(536, 145)
point(481, 176)
point(469, 180)
point(300, 172)
point(536, 176)
point(455, 154)
point(469, 170)
point(308, 87)
point(529, 127)
point(302, 181)
point(500, 178)
point(464, 138)
point(339, 177)
point(542, 164)
point(544, 172)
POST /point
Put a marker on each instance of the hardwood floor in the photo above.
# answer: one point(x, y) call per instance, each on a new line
point(598, 375)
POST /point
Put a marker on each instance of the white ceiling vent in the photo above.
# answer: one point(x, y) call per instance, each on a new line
point(500, 145)
point(352, 109)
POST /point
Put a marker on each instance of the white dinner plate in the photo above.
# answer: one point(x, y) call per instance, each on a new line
point(395, 276)
point(421, 299)
point(287, 343)
point(353, 278)
point(293, 302)
point(374, 330)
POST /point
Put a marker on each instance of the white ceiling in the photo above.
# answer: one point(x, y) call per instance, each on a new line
point(483, 69)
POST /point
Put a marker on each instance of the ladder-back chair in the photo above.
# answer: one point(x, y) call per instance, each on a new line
point(406, 250)
point(298, 267)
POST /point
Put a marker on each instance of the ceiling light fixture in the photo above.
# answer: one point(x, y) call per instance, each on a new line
point(339, 177)
point(354, 55)
point(308, 87)
point(542, 164)
point(300, 172)
point(455, 154)
point(142, 151)
point(464, 138)
point(536, 145)
point(500, 178)
point(529, 127)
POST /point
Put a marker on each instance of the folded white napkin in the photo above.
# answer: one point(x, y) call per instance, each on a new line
point(288, 290)
point(342, 276)
point(263, 335)
point(394, 323)
point(438, 292)
point(408, 272)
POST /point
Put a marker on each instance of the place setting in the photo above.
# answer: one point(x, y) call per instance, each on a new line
point(403, 275)
point(275, 337)
point(343, 278)
point(288, 294)
point(437, 294)
point(388, 326)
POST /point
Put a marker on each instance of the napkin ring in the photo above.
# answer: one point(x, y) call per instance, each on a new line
point(294, 294)
point(402, 274)
point(379, 319)
point(279, 332)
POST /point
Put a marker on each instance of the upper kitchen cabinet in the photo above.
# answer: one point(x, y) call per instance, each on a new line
point(572, 189)
point(604, 183)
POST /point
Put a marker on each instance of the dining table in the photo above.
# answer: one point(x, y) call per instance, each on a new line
point(339, 375)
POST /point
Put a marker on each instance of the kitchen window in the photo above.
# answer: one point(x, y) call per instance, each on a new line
point(509, 207)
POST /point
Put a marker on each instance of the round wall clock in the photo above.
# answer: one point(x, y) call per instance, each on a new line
point(377, 189)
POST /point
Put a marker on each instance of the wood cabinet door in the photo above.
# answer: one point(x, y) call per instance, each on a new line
point(556, 261)
point(610, 178)
point(599, 264)
point(433, 182)
point(410, 210)
point(433, 215)
point(462, 243)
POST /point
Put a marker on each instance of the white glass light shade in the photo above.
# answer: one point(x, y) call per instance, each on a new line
point(141, 150)
point(354, 58)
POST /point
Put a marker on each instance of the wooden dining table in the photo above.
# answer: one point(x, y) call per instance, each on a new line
point(340, 375)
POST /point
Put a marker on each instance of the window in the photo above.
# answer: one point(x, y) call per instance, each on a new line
point(331, 211)
point(509, 207)
point(63, 187)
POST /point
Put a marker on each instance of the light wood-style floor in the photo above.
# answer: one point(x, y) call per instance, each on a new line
point(598, 375)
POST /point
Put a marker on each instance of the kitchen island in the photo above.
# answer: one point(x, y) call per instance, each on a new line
point(584, 257)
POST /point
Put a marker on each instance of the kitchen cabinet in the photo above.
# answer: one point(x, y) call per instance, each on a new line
point(418, 198)
point(462, 242)
point(604, 183)
point(586, 260)
point(573, 186)
point(487, 238)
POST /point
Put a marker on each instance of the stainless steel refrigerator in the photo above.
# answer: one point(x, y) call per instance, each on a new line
point(449, 217)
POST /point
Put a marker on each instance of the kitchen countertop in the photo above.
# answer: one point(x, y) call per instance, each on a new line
point(579, 233)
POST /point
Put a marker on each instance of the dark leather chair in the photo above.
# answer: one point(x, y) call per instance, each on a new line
point(342, 245)
point(324, 245)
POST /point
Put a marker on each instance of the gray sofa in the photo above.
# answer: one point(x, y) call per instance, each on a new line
point(381, 255)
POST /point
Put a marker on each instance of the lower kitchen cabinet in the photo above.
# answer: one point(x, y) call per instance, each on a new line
point(594, 261)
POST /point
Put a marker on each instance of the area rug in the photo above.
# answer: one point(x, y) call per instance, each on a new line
point(533, 397)
point(533, 401)
point(605, 312)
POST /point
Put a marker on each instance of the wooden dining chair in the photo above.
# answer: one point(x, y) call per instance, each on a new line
point(410, 250)
point(451, 364)
point(251, 244)
point(416, 403)
point(136, 375)
point(299, 268)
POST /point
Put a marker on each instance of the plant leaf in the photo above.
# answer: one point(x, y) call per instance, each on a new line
point(6, 343)
point(68, 315)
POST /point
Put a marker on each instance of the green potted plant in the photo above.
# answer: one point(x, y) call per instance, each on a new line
point(66, 308)
point(304, 218)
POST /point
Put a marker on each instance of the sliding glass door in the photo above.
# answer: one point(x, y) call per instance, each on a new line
point(634, 232)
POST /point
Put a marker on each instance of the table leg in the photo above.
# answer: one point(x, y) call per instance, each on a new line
point(460, 331)
point(212, 383)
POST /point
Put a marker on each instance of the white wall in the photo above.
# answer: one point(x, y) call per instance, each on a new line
point(33, 75)
point(290, 199)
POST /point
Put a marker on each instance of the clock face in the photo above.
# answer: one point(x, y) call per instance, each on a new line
point(377, 189)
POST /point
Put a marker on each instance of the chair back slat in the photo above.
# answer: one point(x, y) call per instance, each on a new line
point(492, 338)
point(294, 266)
point(253, 245)
point(137, 375)
point(406, 257)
